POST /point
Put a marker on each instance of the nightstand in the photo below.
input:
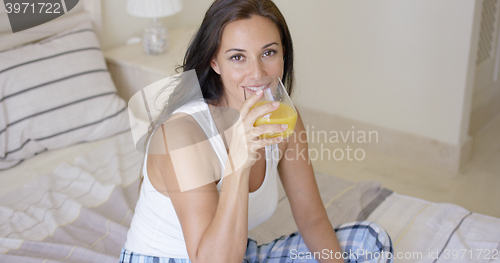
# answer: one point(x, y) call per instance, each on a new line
point(132, 69)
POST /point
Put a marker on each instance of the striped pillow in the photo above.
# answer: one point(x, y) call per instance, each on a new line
point(55, 93)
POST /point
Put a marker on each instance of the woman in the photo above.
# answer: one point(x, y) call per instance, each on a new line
point(199, 199)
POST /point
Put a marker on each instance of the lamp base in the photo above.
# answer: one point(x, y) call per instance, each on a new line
point(155, 38)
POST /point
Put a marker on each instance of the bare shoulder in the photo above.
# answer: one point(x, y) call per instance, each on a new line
point(186, 174)
point(180, 156)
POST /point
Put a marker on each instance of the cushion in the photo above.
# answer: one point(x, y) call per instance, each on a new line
point(55, 93)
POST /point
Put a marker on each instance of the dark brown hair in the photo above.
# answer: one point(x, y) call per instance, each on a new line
point(204, 47)
point(207, 40)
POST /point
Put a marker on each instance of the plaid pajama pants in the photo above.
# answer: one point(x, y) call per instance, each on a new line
point(360, 241)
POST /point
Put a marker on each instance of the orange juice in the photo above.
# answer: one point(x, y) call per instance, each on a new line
point(284, 114)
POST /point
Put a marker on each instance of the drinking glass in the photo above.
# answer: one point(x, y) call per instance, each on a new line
point(273, 90)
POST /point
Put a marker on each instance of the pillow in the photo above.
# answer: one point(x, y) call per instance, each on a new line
point(55, 93)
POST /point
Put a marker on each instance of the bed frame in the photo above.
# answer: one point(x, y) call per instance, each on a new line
point(91, 11)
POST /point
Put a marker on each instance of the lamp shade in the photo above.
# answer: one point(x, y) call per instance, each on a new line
point(153, 8)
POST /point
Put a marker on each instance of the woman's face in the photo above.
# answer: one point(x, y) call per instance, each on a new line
point(250, 49)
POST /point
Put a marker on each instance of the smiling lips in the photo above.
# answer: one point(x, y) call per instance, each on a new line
point(256, 88)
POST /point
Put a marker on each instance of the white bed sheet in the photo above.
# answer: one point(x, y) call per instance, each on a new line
point(70, 205)
point(76, 204)
point(45, 162)
point(424, 231)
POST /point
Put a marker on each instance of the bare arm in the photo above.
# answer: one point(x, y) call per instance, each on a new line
point(215, 227)
point(297, 175)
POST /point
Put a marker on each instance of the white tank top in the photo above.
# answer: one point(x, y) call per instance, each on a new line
point(155, 229)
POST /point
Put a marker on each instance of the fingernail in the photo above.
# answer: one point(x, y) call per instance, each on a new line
point(276, 104)
point(284, 126)
point(258, 92)
point(280, 139)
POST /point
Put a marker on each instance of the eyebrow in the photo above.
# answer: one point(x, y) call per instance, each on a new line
point(242, 50)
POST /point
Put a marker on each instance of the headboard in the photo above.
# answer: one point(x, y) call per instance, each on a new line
point(84, 11)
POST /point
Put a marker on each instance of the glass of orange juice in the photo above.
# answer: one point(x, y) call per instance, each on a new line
point(273, 90)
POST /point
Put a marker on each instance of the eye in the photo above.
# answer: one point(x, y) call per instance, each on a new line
point(269, 53)
point(237, 57)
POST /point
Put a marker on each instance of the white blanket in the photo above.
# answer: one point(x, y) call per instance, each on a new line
point(76, 204)
point(78, 212)
point(422, 231)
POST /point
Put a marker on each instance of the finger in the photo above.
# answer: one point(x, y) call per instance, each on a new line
point(249, 102)
point(261, 143)
point(260, 111)
point(268, 128)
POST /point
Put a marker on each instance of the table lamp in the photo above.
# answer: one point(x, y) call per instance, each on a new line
point(155, 38)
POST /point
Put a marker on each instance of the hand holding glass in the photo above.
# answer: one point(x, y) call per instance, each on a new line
point(273, 90)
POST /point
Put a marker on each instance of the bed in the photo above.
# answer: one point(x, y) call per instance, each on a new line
point(68, 188)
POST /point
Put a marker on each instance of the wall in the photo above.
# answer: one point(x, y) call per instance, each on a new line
point(401, 64)
point(398, 64)
point(486, 96)
point(120, 26)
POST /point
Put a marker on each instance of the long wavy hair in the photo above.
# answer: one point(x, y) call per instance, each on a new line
point(204, 47)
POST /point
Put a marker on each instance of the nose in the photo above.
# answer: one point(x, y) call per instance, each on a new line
point(256, 70)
